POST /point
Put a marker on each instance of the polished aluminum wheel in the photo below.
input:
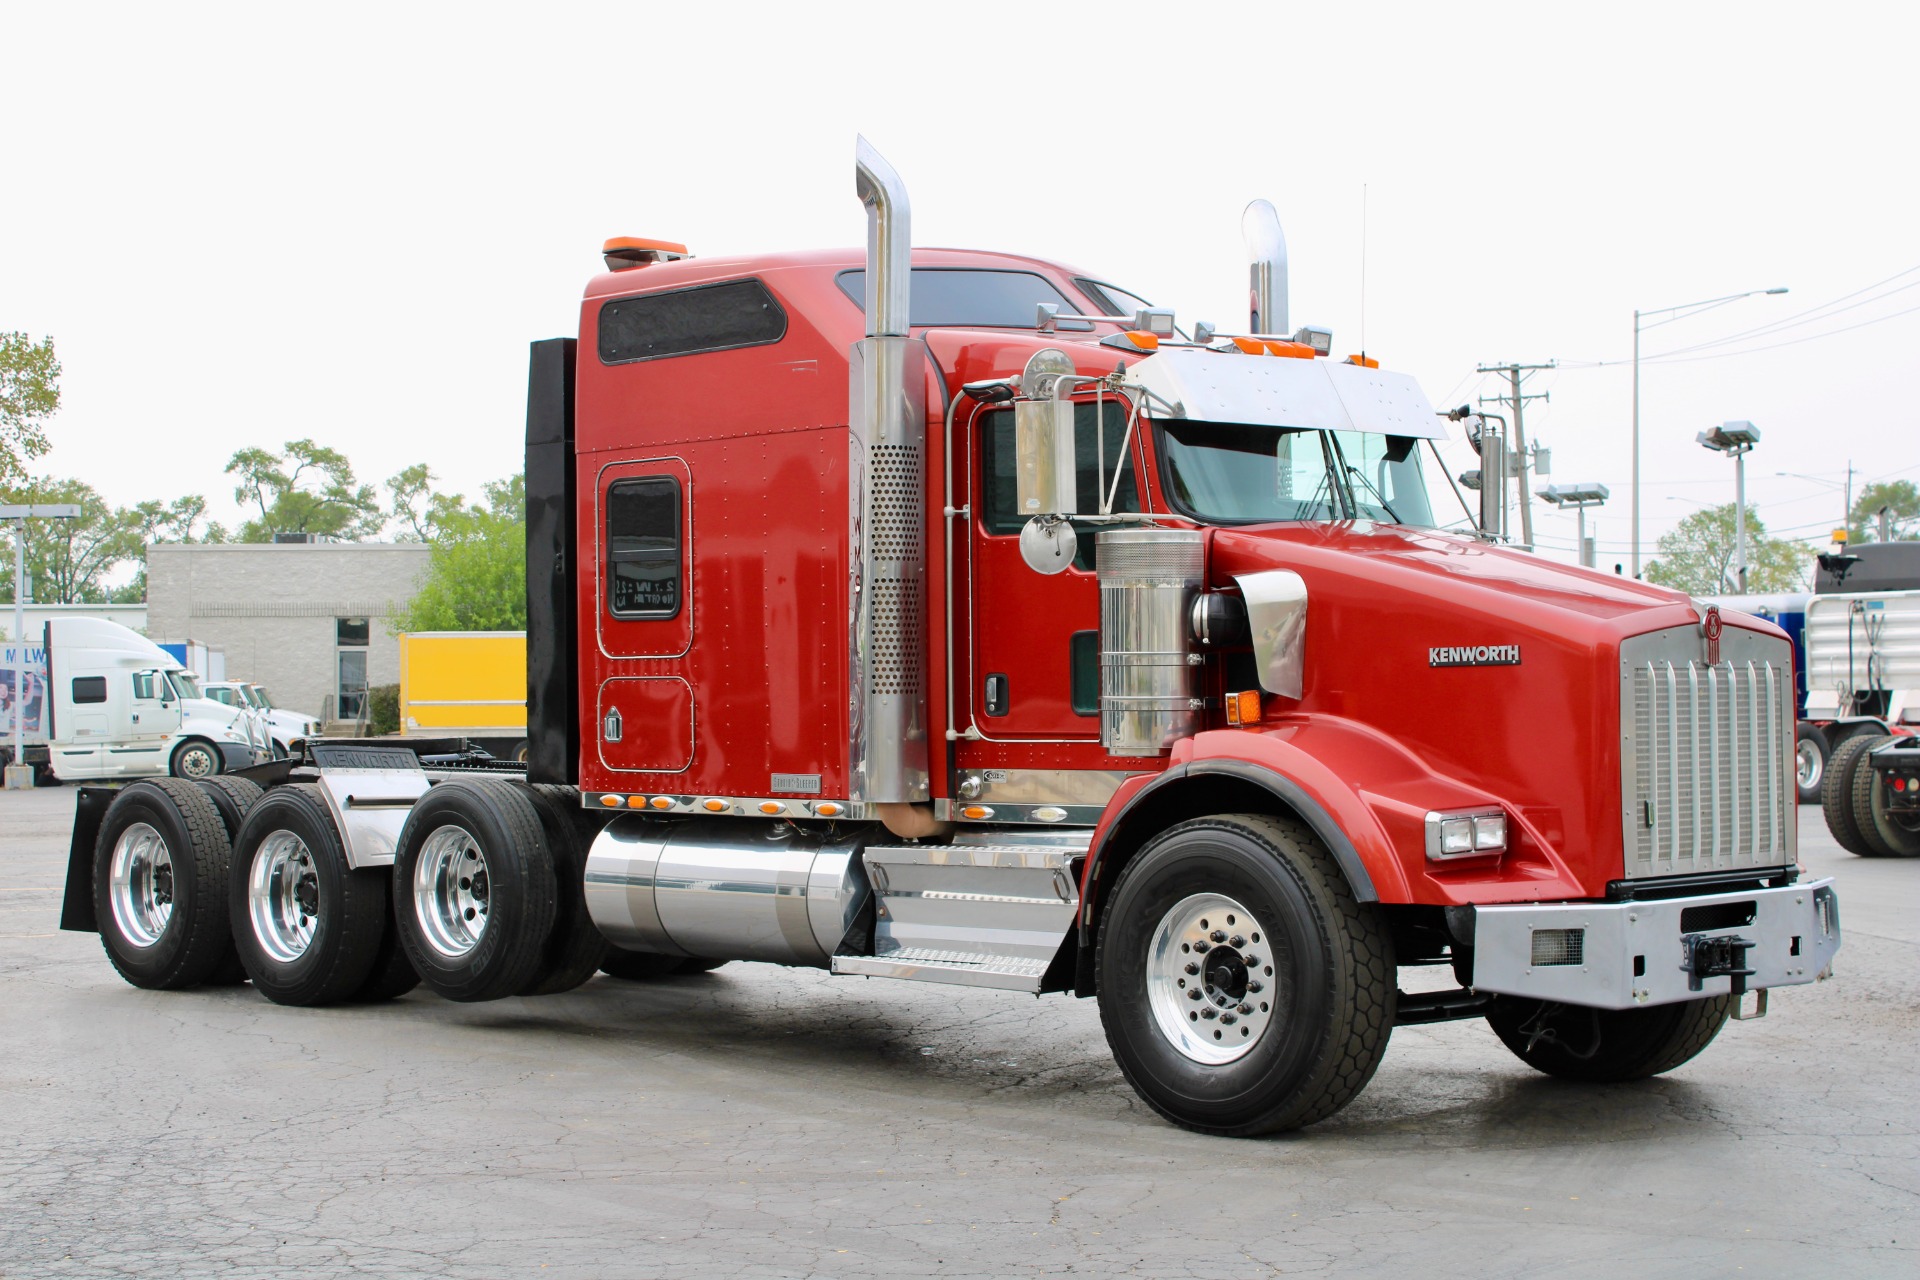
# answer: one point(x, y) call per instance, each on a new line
point(283, 896)
point(450, 891)
point(1808, 765)
point(1210, 978)
point(141, 884)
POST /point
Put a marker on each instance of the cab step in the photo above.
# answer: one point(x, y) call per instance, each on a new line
point(970, 914)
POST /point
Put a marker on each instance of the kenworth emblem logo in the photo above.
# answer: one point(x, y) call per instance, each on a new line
point(1711, 625)
point(1475, 655)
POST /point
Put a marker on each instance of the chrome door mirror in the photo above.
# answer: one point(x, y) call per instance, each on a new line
point(1043, 458)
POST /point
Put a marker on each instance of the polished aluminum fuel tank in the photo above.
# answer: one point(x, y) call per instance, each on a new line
point(725, 889)
point(1149, 690)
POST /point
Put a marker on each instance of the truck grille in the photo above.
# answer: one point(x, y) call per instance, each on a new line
point(1706, 754)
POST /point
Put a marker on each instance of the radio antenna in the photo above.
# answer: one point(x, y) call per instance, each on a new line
point(1363, 271)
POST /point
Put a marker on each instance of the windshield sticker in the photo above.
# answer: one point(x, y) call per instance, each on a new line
point(1483, 655)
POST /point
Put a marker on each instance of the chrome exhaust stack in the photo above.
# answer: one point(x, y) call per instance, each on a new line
point(887, 411)
point(1267, 269)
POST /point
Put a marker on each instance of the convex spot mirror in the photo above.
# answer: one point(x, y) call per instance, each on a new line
point(1048, 544)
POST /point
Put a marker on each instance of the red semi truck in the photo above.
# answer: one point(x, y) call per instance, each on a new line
point(954, 617)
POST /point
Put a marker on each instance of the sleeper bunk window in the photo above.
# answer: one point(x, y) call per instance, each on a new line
point(644, 573)
point(712, 317)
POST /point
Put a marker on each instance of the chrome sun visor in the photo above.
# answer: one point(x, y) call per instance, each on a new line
point(1272, 391)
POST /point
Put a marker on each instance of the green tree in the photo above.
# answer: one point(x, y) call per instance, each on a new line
point(415, 508)
point(1696, 556)
point(29, 393)
point(305, 488)
point(154, 521)
point(73, 561)
point(477, 573)
point(1902, 500)
point(69, 561)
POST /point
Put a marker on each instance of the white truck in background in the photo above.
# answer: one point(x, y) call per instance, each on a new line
point(102, 702)
point(283, 728)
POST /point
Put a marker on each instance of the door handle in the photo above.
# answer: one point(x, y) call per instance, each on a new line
point(136, 717)
point(610, 725)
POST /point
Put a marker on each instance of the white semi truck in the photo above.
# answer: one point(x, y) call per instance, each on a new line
point(100, 702)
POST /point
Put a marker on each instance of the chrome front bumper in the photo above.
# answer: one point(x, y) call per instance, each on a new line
point(1617, 955)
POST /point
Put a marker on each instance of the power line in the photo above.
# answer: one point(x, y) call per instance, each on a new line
point(1791, 342)
point(1812, 315)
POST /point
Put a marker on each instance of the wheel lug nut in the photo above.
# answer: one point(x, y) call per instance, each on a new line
point(1193, 993)
point(1254, 987)
point(1246, 1008)
point(1193, 968)
point(1200, 947)
point(1238, 941)
point(1218, 935)
point(1227, 1020)
point(1209, 1013)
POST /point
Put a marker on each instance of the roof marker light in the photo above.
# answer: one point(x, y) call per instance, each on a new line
point(624, 253)
point(1291, 350)
point(1365, 362)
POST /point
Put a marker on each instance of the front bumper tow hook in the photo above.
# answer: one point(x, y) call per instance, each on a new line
point(1705, 957)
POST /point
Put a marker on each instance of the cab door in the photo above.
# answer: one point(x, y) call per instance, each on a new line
point(1034, 669)
point(139, 747)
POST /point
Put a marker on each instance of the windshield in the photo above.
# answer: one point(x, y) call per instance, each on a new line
point(252, 695)
point(1231, 473)
point(185, 685)
point(266, 699)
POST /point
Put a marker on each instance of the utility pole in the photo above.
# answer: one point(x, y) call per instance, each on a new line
point(1517, 400)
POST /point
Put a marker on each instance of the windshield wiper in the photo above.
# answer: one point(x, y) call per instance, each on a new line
point(1386, 506)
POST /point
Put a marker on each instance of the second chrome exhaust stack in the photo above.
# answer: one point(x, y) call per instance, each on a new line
point(1266, 270)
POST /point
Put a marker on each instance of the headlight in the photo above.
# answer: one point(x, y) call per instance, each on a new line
point(1466, 835)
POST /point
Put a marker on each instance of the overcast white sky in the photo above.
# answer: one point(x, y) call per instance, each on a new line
point(246, 224)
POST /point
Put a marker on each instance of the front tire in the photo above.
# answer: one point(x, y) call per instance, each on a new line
point(307, 925)
point(1242, 988)
point(1606, 1046)
point(160, 870)
point(1810, 753)
point(194, 759)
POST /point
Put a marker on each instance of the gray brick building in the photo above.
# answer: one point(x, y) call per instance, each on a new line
point(307, 620)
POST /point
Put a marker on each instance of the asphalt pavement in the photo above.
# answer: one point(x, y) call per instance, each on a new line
point(764, 1122)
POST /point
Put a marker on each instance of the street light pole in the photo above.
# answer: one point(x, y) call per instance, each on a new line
point(1736, 440)
point(18, 773)
point(1688, 308)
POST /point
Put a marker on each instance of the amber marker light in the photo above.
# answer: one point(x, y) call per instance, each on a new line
point(1291, 350)
point(662, 802)
point(612, 802)
point(1365, 362)
point(827, 810)
point(1144, 341)
point(1243, 708)
point(976, 811)
point(1251, 346)
point(636, 802)
point(714, 806)
point(772, 806)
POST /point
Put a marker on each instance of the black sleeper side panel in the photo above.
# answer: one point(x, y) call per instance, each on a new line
point(553, 707)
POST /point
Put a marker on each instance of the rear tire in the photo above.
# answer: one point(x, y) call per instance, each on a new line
point(473, 887)
point(1836, 793)
point(1810, 753)
point(232, 797)
point(1606, 1046)
point(575, 948)
point(160, 885)
point(307, 925)
point(1880, 832)
point(1243, 926)
point(195, 758)
point(393, 973)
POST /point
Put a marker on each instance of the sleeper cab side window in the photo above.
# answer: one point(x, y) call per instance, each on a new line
point(644, 572)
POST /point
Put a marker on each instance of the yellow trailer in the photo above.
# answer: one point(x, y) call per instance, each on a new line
point(466, 684)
